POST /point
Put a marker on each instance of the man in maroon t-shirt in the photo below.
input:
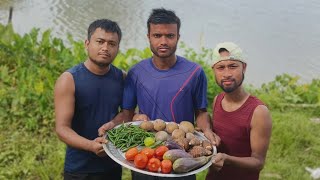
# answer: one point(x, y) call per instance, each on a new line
point(242, 121)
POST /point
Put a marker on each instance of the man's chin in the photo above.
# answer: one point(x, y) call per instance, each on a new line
point(101, 64)
point(163, 54)
point(163, 57)
point(228, 89)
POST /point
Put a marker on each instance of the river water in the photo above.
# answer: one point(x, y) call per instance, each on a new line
point(277, 36)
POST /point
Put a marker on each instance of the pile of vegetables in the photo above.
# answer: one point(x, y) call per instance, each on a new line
point(164, 147)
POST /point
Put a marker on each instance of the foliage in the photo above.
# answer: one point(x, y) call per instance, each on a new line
point(29, 69)
point(30, 64)
point(286, 91)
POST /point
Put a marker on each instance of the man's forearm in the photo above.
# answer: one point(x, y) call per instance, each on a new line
point(71, 138)
point(203, 121)
point(252, 163)
point(123, 116)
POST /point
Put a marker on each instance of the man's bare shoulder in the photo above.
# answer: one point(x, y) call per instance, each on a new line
point(261, 115)
point(64, 82)
point(262, 109)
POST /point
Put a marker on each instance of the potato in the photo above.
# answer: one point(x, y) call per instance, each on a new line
point(161, 136)
point(186, 126)
point(171, 126)
point(147, 125)
point(190, 135)
point(140, 117)
point(159, 125)
point(178, 133)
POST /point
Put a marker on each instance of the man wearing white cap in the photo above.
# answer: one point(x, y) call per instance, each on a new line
point(241, 120)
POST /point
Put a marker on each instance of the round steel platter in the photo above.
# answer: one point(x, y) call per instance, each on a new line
point(118, 156)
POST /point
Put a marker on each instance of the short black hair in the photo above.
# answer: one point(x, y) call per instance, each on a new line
point(163, 16)
point(223, 50)
point(105, 24)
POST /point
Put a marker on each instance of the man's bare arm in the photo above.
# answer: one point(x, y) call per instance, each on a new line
point(64, 101)
point(203, 122)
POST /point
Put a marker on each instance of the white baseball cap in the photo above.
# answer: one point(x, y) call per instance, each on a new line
point(234, 50)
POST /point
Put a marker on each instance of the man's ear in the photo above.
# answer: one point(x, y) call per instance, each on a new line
point(86, 44)
point(244, 67)
point(178, 37)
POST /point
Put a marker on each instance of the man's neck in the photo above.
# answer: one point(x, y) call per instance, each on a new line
point(164, 63)
point(234, 100)
point(95, 69)
point(237, 96)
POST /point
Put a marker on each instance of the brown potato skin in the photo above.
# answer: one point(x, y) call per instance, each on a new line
point(171, 126)
point(178, 133)
point(186, 126)
point(159, 125)
point(147, 125)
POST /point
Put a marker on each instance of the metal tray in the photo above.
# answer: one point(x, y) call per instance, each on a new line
point(119, 157)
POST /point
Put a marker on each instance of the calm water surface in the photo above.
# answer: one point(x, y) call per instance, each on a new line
point(278, 37)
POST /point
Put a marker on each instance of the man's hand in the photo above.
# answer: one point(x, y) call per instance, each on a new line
point(213, 137)
point(97, 146)
point(218, 161)
point(140, 117)
point(107, 126)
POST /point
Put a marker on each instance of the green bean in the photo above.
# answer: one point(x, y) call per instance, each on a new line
point(128, 135)
point(126, 149)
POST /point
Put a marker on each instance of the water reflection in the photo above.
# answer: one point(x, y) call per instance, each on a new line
point(279, 37)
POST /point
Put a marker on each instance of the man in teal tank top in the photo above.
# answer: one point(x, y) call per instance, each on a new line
point(87, 96)
point(241, 120)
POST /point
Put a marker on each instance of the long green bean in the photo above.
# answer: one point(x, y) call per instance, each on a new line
point(127, 135)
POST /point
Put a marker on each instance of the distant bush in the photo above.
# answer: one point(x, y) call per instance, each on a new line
point(285, 91)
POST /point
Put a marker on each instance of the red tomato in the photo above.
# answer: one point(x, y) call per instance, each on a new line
point(140, 161)
point(131, 153)
point(148, 152)
point(160, 151)
point(154, 164)
point(166, 166)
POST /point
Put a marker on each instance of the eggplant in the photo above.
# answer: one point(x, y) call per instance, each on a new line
point(173, 145)
point(184, 165)
point(175, 154)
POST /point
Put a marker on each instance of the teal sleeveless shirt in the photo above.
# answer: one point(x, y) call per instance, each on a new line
point(97, 101)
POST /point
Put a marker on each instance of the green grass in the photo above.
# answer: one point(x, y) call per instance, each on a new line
point(29, 156)
point(294, 145)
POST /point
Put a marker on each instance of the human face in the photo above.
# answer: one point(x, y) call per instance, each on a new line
point(102, 47)
point(229, 74)
point(163, 40)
